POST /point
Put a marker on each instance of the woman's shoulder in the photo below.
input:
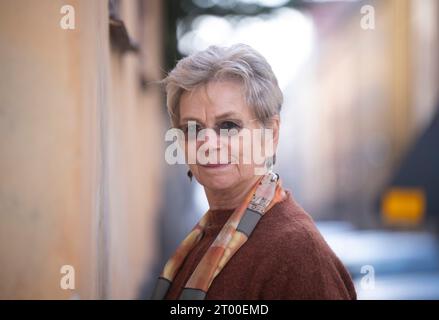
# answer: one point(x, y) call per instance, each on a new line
point(292, 231)
point(301, 254)
point(288, 220)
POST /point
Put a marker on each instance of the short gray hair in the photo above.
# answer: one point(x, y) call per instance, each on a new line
point(239, 61)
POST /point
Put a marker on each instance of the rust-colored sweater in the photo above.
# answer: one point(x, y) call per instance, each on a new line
point(285, 258)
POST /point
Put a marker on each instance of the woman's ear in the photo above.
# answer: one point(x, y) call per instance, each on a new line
point(273, 136)
point(275, 125)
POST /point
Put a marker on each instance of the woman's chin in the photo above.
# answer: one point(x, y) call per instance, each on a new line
point(218, 177)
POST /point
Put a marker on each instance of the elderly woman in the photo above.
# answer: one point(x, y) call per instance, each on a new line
point(255, 241)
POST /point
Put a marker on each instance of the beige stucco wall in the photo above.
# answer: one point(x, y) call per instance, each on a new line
point(80, 152)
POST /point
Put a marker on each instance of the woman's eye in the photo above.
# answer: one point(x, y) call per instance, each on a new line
point(186, 129)
point(229, 125)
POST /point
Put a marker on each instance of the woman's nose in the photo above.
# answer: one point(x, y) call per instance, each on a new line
point(212, 139)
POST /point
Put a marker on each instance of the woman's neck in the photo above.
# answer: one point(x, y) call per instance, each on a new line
point(229, 198)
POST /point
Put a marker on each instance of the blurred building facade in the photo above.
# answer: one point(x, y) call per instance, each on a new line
point(81, 146)
point(366, 95)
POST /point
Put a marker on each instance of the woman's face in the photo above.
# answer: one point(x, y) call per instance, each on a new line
point(221, 105)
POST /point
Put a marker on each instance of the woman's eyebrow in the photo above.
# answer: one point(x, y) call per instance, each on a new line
point(228, 115)
point(187, 119)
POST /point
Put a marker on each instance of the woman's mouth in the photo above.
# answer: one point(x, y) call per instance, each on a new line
point(214, 166)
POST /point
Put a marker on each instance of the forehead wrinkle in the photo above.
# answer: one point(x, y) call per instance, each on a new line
point(206, 108)
point(230, 101)
point(199, 105)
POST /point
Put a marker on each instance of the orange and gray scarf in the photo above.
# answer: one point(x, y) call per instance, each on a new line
point(265, 194)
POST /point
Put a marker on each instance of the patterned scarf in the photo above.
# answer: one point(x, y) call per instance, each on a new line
point(265, 194)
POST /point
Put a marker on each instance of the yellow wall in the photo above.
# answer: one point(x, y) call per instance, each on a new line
point(80, 151)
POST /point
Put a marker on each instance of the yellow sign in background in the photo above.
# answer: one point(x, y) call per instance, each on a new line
point(403, 206)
